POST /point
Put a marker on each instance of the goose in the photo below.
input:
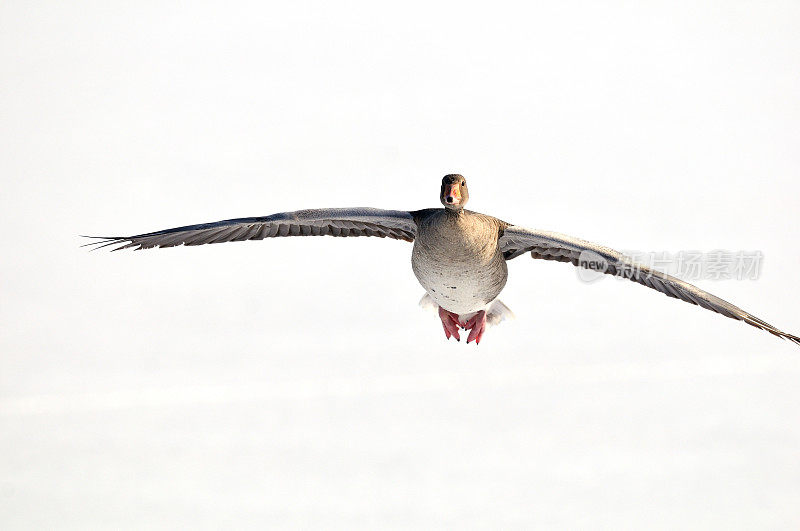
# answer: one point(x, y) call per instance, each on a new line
point(459, 256)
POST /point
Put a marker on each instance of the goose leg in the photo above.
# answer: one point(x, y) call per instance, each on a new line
point(476, 326)
point(449, 323)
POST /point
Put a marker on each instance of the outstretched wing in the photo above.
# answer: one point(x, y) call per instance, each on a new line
point(554, 246)
point(395, 224)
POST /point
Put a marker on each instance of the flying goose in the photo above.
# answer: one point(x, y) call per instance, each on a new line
point(459, 256)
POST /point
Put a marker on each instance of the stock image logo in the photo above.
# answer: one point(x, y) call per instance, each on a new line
point(686, 265)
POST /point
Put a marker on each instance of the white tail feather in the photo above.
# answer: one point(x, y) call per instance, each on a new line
point(427, 303)
point(498, 312)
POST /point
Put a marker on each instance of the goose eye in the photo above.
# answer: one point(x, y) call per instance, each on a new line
point(463, 183)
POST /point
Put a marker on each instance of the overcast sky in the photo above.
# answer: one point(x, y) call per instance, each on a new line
point(295, 382)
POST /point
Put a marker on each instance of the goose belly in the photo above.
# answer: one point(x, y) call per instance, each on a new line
point(462, 285)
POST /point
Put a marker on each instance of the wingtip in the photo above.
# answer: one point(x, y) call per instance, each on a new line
point(794, 339)
point(102, 243)
point(783, 335)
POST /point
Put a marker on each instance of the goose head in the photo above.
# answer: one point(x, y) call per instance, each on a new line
point(454, 193)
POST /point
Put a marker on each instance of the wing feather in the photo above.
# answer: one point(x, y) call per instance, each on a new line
point(395, 224)
point(545, 245)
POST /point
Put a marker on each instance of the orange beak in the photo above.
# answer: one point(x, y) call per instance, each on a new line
point(453, 195)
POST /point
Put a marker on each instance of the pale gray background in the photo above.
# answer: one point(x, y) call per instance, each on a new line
point(294, 383)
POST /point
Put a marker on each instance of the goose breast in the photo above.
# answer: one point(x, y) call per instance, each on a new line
point(457, 260)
